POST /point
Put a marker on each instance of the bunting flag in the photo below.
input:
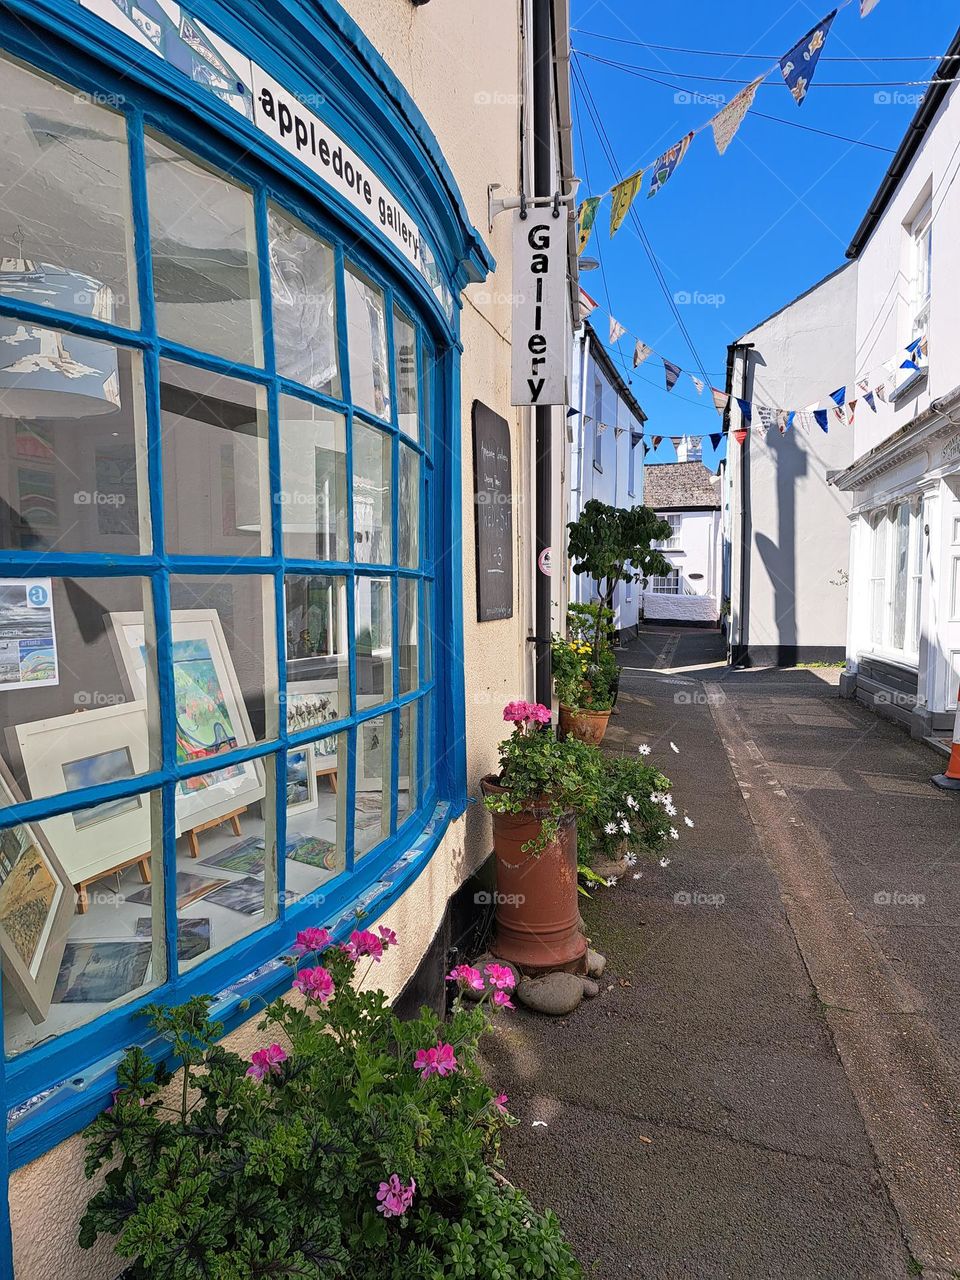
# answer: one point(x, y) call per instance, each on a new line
point(617, 330)
point(867, 6)
point(881, 390)
point(851, 410)
point(671, 373)
point(839, 396)
point(863, 385)
point(740, 435)
point(820, 417)
point(784, 421)
point(601, 428)
point(646, 448)
point(677, 441)
point(800, 63)
point(726, 122)
point(767, 417)
point(715, 440)
point(665, 166)
point(618, 432)
point(720, 400)
point(622, 197)
point(838, 414)
point(640, 353)
point(697, 384)
point(746, 408)
point(656, 441)
point(586, 217)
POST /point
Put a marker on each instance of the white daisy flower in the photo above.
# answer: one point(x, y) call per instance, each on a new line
point(611, 881)
point(610, 828)
point(631, 803)
point(664, 862)
point(630, 859)
point(674, 747)
point(670, 810)
point(656, 797)
point(625, 827)
point(637, 875)
point(674, 833)
point(644, 749)
point(688, 820)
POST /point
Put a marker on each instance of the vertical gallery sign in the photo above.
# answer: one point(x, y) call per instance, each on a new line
point(493, 514)
point(539, 334)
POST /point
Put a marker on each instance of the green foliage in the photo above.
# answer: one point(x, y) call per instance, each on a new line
point(624, 811)
point(584, 667)
point(614, 545)
point(235, 1179)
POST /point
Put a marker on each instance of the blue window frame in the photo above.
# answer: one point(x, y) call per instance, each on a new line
point(59, 1080)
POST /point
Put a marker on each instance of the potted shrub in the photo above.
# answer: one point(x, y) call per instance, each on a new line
point(585, 673)
point(534, 800)
point(351, 1144)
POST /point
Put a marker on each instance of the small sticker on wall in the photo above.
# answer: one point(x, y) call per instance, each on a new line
point(28, 646)
point(545, 561)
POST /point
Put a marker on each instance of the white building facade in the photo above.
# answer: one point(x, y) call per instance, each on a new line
point(903, 635)
point(606, 456)
point(687, 496)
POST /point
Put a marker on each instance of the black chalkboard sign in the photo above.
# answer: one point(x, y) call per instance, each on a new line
point(493, 513)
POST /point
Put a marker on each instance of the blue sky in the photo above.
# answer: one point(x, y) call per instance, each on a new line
point(735, 236)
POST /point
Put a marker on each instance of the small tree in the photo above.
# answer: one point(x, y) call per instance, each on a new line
point(613, 545)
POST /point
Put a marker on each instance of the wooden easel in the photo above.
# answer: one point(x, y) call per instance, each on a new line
point(233, 818)
point(143, 862)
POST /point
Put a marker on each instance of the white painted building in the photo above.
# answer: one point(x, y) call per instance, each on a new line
point(786, 526)
point(606, 455)
point(903, 637)
point(687, 495)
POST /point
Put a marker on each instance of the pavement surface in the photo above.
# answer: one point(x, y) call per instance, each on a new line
point(767, 1085)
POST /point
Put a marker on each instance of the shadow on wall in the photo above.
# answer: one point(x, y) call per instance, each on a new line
point(780, 557)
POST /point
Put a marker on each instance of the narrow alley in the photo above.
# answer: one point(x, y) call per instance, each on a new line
point(765, 1084)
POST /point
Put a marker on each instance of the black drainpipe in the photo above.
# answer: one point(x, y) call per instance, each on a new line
point(739, 651)
point(542, 38)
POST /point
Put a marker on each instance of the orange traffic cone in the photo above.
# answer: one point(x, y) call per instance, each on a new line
point(949, 780)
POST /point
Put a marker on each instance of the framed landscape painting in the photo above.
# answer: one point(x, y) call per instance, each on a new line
point(211, 714)
point(36, 909)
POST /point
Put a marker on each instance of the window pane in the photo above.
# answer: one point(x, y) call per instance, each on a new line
point(426, 770)
point(372, 800)
point(226, 865)
point(427, 632)
point(374, 648)
point(215, 467)
point(224, 674)
point(316, 813)
point(313, 475)
point(66, 229)
point(901, 581)
point(318, 664)
point(407, 781)
point(408, 614)
point(304, 297)
point(372, 497)
point(203, 243)
point(73, 457)
point(68, 957)
point(367, 345)
point(408, 509)
point(405, 350)
point(72, 715)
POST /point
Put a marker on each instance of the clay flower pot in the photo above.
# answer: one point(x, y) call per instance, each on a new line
point(537, 909)
point(588, 726)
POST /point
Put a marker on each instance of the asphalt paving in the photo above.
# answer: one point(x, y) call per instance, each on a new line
point(766, 1085)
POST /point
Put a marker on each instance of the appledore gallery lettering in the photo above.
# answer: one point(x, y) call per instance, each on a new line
point(539, 312)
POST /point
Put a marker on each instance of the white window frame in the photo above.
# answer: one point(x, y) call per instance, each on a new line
point(665, 585)
point(675, 521)
point(885, 582)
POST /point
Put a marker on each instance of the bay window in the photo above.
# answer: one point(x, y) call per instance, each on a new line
point(216, 585)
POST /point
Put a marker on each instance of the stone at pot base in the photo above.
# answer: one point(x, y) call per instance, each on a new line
point(609, 868)
point(590, 988)
point(596, 963)
point(555, 994)
point(488, 988)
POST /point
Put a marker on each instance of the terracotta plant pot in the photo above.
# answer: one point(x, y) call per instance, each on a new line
point(588, 726)
point(538, 910)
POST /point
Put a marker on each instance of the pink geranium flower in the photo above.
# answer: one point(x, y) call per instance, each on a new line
point(364, 943)
point(500, 976)
point(265, 1061)
point(311, 939)
point(395, 1198)
point(502, 999)
point(500, 1103)
point(469, 976)
point(439, 1060)
point(315, 984)
point(516, 712)
point(539, 713)
point(387, 936)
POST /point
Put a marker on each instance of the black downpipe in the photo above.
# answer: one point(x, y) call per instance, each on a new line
point(542, 38)
point(741, 651)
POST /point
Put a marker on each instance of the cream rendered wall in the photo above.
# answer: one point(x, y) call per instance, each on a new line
point(461, 63)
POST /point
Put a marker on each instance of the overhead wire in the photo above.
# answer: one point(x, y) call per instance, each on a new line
point(762, 57)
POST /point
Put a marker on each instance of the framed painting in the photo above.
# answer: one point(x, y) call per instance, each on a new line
point(301, 779)
point(211, 713)
point(88, 748)
point(36, 909)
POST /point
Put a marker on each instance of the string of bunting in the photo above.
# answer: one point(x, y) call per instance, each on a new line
point(797, 67)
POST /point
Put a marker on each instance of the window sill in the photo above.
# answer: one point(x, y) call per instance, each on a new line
point(54, 1114)
point(911, 384)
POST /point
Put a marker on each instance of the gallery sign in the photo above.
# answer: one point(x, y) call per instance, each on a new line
point(539, 335)
point(168, 30)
